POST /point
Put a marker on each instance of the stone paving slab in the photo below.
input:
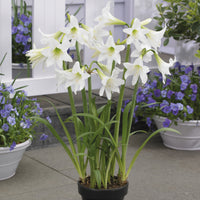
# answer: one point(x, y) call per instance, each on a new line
point(159, 173)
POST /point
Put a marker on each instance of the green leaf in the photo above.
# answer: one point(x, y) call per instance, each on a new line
point(3, 59)
point(97, 175)
point(166, 41)
point(143, 145)
point(158, 28)
point(169, 15)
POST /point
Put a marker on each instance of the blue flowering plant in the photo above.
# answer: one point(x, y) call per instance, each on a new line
point(175, 99)
point(16, 116)
point(21, 32)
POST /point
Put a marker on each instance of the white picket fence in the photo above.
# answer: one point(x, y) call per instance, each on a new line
point(49, 16)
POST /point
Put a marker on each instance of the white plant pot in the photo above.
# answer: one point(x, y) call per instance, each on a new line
point(189, 139)
point(9, 160)
point(185, 52)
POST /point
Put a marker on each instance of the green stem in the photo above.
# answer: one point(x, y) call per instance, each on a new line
point(119, 107)
point(78, 53)
point(127, 133)
point(120, 100)
point(133, 107)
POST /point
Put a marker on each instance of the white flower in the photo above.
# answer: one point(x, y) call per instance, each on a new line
point(137, 69)
point(96, 33)
point(73, 31)
point(164, 66)
point(110, 51)
point(48, 37)
point(154, 38)
point(74, 77)
point(106, 18)
point(57, 52)
point(136, 32)
point(110, 83)
point(95, 38)
point(139, 49)
point(36, 56)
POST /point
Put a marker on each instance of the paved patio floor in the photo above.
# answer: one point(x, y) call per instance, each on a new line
point(159, 174)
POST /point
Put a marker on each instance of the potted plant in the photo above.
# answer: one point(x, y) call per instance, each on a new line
point(182, 21)
point(174, 103)
point(16, 126)
point(21, 38)
point(101, 136)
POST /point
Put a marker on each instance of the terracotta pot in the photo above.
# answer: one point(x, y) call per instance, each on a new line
point(102, 194)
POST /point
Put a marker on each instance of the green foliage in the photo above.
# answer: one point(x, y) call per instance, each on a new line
point(182, 19)
point(16, 112)
point(175, 99)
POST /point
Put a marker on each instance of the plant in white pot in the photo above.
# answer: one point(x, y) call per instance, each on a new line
point(16, 127)
point(97, 147)
point(182, 21)
point(21, 38)
point(174, 103)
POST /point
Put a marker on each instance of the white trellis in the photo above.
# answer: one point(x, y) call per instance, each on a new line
point(49, 16)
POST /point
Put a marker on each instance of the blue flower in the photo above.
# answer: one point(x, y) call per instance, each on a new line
point(166, 123)
point(23, 18)
point(183, 86)
point(157, 92)
point(193, 97)
point(180, 106)
point(169, 94)
point(167, 82)
point(4, 113)
point(179, 95)
point(5, 127)
point(184, 78)
point(148, 121)
point(10, 89)
point(182, 68)
point(164, 93)
point(151, 102)
point(13, 145)
point(188, 69)
point(8, 107)
point(2, 99)
point(164, 103)
point(140, 98)
point(20, 28)
point(166, 109)
point(49, 119)
point(177, 65)
point(154, 84)
point(14, 29)
point(174, 107)
point(11, 120)
point(43, 137)
point(189, 109)
point(18, 38)
point(194, 88)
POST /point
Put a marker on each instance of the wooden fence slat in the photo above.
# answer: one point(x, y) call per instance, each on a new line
point(49, 16)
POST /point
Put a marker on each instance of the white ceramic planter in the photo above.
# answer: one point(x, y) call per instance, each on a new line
point(9, 160)
point(189, 139)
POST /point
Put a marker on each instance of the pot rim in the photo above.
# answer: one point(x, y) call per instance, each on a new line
point(180, 122)
point(18, 147)
point(94, 189)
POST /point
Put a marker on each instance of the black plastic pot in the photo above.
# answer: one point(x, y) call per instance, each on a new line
point(102, 194)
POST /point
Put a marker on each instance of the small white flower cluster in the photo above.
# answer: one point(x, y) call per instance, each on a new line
point(144, 40)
